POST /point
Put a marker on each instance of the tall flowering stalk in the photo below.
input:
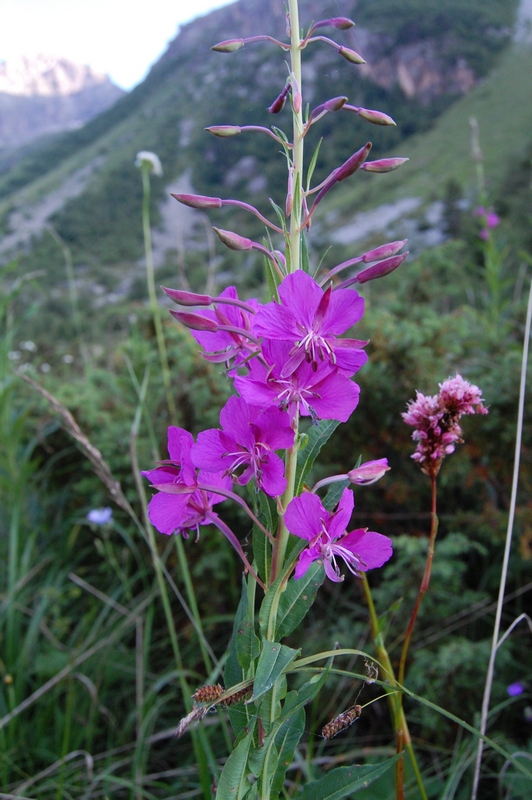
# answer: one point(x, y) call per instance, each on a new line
point(291, 358)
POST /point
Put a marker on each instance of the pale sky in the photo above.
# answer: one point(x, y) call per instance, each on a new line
point(120, 37)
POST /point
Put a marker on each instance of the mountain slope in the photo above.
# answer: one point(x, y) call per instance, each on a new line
point(84, 182)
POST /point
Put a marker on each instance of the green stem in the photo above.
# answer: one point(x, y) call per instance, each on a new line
point(395, 702)
point(154, 306)
point(297, 152)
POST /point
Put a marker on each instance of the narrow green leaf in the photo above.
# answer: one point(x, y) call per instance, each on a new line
point(297, 598)
point(305, 263)
point(262, 548)
point(343, 781)
point(272, 279)
point(234, 782)
point(312, 165)
point(233, 672)
point(273, 660)
point(286, 740)
point(266, 605)
point(318, 435)
point(247, 645)
point(332, 498)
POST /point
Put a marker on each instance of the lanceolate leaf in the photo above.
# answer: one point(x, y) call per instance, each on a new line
point(273, 660)
point(286, 740)
point(233, 672)
point(318, 435)
point(297, 598)
point(234, 782)
point(262, 548)
point(332, 498)
point(343, 781)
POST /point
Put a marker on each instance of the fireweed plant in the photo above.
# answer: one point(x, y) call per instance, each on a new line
point(289, 359)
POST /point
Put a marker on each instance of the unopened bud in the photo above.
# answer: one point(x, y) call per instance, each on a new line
point(384, 164)
point(376, 117)
point(351, 55)
point(229, 46)
point(224, 130)
point(335, 103)
point(369, 472)
point(233, 240)
point(384, 251)
point(278, 103)
point(195, 321)
point(353, 163)
point(198, 200)
point(339, 23)
point(183, 298)
point(380, 269)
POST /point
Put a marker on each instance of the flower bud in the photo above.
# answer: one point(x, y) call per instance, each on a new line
point(195, 321)
point(380, 269)
point(384, 164)
point(369, 472)
point(197, 200)
point(224, 130)
point(228, 46)
point(335, 103)
point(376, 117)
point(278, 103)
point(183, 298)
point(353, 163)
point(351, 55)
point(232, 240)
point(384, 251)
point(339, 23)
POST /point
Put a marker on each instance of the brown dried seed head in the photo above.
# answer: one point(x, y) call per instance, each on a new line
point(341, 722)
point(207, 694)
point(237, 697)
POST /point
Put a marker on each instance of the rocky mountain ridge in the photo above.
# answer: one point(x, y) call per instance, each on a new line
point(46, 94)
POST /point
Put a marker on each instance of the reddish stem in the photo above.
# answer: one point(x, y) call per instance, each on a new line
point(424, 583)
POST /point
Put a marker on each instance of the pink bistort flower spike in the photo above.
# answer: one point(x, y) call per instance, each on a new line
point(245, 447)
point(312, 320)
point(328, 539)
point(435, 420)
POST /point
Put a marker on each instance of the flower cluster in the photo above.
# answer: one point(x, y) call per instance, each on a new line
point(436, 420)
point(489, 219)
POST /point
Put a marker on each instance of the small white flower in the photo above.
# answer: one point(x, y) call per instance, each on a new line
point(45, 367)
point(14, 355)
point(29, 345)
point(67, 358)
point(145, 158)
point(100, 516)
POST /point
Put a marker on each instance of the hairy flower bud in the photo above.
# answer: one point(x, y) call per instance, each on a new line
point(183, 298)
point(380, 269)
point(224, 130)
point(233, 240)
point(351, 55)
point(376, 117)
point(335, 103)
point(339, 23)
point(198, 200)
point(384, 251)
point(353, 163)
point(195, 321)
point(384, 164)
point(228, 46)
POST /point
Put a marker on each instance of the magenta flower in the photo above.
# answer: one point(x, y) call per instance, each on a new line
point(324, 393)
point(436, 418)
point(228, 346)
point(245, 447)
point(311, 320)
point(328, 540)
point(369, 472)
point(180, 505)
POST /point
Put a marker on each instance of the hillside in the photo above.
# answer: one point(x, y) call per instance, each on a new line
point(83, 183)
